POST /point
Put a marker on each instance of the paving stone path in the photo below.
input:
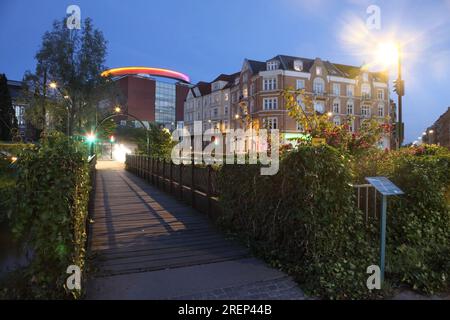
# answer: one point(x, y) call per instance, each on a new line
point(145, 244)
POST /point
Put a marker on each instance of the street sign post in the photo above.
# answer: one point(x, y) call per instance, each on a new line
point(384, 186)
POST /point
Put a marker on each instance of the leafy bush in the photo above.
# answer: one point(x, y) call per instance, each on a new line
point(303, 220)
point(50, 212)
point(419, 221)
point(418, 226)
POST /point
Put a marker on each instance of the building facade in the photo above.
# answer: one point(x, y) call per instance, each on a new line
point(439, 132)
point(345, 92)
point(150, 95)
point(210, 103)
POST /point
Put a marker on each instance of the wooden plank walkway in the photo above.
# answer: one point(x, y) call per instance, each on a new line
point(138, 228)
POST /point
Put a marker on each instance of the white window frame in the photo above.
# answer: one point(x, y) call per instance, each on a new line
point(272, 65)
point(365, 91)
point(270, 103)
point(350, 103)
point(365, 111)
point(269, 84)
point(318, 85)
point(336, 89)
point(381, 108)
point(300, 84)
point(380, 96)
point(350, 90)
point(270, 123)
point(336, 110)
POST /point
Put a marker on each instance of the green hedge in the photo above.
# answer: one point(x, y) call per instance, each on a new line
point(302, 220)
point(419, 221)
point(50, 214)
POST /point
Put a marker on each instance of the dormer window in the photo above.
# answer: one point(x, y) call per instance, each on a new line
point(298, 65)
point(272, 65)
point(365, 77)
point(318, 71)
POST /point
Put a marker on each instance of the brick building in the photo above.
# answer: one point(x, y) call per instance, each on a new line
point(340, 90)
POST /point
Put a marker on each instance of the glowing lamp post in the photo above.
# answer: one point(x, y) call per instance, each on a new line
point(90, 138)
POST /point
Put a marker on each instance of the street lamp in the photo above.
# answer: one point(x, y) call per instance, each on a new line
point(387, 54)
point(53, 85)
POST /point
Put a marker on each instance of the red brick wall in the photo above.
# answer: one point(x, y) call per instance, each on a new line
point(140, 96)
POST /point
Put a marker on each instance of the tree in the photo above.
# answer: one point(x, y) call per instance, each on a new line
point(72, 60)
point(8, 121)
point(318, 125)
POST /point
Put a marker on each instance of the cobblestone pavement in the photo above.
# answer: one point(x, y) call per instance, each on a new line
point(276, 289)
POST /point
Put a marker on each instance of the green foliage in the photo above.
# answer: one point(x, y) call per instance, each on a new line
point(418, 221)
point(320, 125)
point(74, 60)
point(50, 212)
point(160, 140)
point(303, 220)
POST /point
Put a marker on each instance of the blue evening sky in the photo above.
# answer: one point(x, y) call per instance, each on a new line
point(204, 38)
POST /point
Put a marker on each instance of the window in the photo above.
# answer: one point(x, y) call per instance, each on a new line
point(381, 110)
point(350, 107)
point(226, 96)
point(272, 65)
point(198, 115)
point(225, 110)
point(365, 77)
point(245, 77)
point(252, 89)
point(336, 106)
point(245, 92)
point(365, 111)
point(319, 106)
point(123, 123)
point(336, 89)
point(270, 84)
point(270, 103)
point(300, 102)
point(318, 71)
point(298, 65)
point(271, 123)
point(300, 84)
point(380, 94)
point(252, 105)
point(365, 91)
point(215, 112)
point(225, 125)
point(337, 121)
point(350, 90)
point(300, 127)
point(319, 85)
point(216, 98)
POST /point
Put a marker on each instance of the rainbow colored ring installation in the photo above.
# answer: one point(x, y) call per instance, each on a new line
point(146, 70)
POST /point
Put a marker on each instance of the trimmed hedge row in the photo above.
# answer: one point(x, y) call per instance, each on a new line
point(50, 214)
point(419, 221)
point(304, 220)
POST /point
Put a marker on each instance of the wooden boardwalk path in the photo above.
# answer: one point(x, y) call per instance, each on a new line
point(139, 229)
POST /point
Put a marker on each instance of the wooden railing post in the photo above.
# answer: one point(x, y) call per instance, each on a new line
point(193, 183)
point(153, 170)
point(164, 174)
point(157, 172)
point(209, 189)
point(180, 181)
point(171, 177)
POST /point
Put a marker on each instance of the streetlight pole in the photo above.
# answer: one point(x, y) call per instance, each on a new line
point(399, 95)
